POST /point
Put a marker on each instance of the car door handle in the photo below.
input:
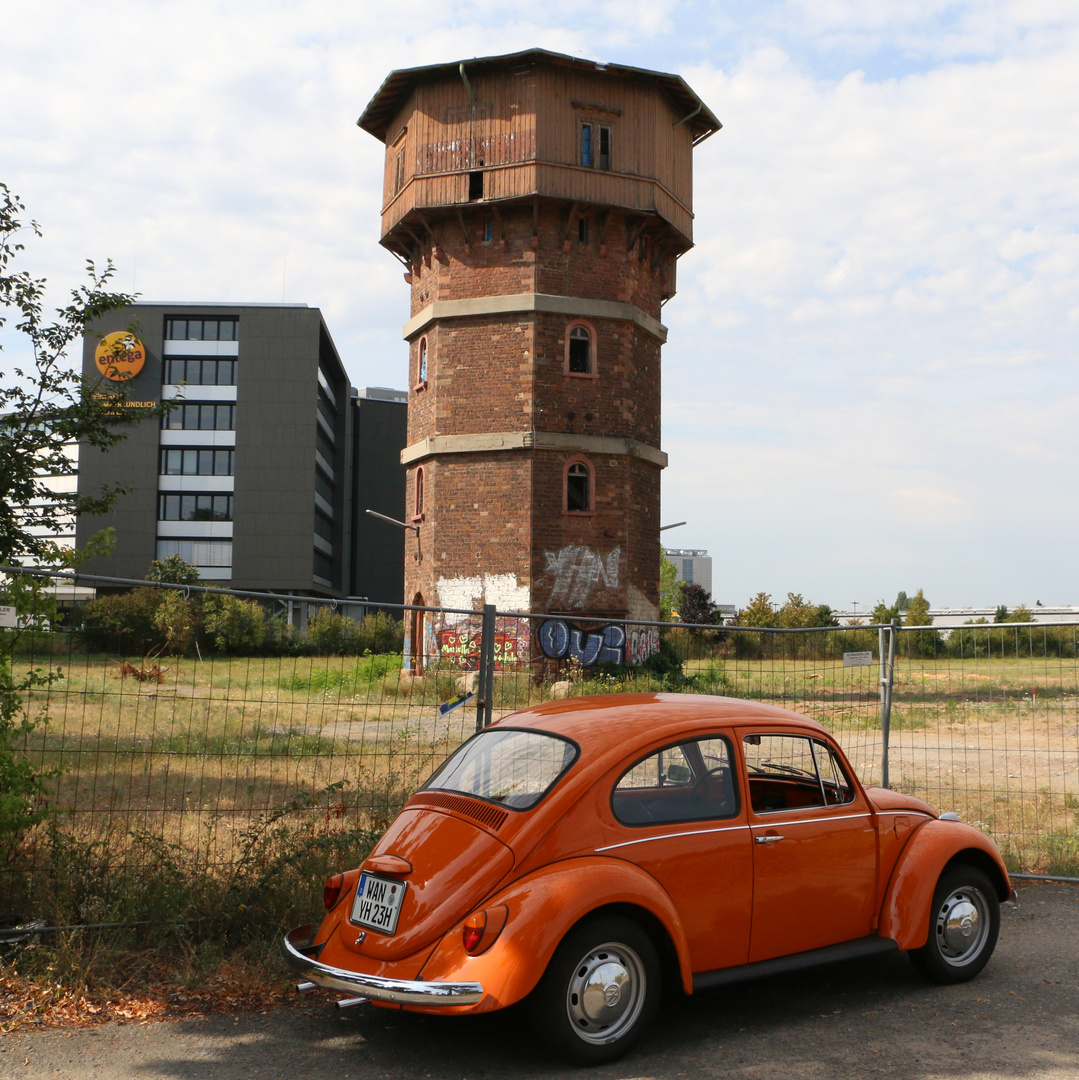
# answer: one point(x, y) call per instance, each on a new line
point(767, 839)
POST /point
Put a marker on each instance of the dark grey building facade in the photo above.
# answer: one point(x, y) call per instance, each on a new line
point(252, 476)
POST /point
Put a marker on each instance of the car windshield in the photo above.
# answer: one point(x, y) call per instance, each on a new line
point(510, 767)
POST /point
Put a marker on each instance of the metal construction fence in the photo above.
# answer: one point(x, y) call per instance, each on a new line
point(224, 715)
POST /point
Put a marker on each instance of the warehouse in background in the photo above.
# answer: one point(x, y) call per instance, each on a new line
point(261, 472)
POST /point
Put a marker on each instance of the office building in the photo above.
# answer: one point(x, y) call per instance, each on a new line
point(253, 474)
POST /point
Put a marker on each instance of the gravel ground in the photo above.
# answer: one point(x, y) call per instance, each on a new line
point(873, 1018)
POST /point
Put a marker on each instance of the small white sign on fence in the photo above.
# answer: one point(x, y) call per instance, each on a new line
point(858, 659)
point(8, 618)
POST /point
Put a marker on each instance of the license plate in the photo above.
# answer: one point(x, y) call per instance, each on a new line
point(378, 903)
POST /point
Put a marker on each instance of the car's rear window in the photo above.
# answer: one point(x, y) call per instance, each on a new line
point(511, 767)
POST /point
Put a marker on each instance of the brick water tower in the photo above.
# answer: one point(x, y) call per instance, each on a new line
point(539, 204)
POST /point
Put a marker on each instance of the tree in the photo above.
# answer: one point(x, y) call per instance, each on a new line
point(796, 613)
point(918, 611)
point(668, 588)
point(172, 570)
point(882, 613)
point(825, 616)
point(696, 605)
point(759, 612)
point(45, 406)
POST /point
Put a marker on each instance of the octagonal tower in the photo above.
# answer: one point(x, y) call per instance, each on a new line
point(539, 204)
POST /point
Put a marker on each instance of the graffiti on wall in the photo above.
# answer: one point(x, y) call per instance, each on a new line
point(460, 644)
point(610, 644)
point(577, 570)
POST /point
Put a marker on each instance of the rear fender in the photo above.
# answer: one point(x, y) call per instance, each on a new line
point(904, 916)
point(543, 907)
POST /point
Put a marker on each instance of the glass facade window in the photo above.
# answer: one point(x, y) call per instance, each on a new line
point(201, 329)
point(323, 566)
point(184, 507)
point(324, 447)
point(196, 462)
point(325, 408)
point(193, 417)
point(323, 486)
point(197, 552)
point(323, 526)
point(200, 372)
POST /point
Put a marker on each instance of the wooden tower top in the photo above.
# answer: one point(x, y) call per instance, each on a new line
point(536, 124)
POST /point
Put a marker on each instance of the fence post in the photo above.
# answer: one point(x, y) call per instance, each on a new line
point(486, 687)
point(886, 652)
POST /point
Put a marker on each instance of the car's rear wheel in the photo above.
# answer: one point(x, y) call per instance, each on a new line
point(963, 926)
point(599, 992)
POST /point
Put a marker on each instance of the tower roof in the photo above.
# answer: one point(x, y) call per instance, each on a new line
point(391, 94)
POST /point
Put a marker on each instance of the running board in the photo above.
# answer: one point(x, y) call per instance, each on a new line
point(848, 950)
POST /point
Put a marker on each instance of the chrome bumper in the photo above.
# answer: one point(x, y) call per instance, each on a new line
point(375, 987)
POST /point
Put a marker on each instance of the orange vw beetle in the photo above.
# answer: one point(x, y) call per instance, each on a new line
point(584, 853)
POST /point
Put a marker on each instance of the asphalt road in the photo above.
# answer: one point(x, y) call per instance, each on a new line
point(874, 1018)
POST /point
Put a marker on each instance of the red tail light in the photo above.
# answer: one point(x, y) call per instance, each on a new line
point(481, 929)
point(331, 891)
point(472, 931)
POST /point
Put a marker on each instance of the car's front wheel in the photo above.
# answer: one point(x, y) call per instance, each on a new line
point(599, 992)
point(963, 926)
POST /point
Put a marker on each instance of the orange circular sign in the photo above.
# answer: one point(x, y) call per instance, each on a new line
point(120, 356)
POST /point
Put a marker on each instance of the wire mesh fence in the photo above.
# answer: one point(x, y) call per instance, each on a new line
point(183, 755)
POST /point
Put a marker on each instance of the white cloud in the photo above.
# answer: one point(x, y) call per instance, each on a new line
point(871, 367)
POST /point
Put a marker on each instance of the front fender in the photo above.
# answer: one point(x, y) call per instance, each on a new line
point(906, 910)
point(543, 907)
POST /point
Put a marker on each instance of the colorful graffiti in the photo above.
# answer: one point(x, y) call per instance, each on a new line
point(460, 644)
point(642, 643)
point(610, 644)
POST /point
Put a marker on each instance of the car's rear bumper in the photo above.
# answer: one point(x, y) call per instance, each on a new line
point(396, 991)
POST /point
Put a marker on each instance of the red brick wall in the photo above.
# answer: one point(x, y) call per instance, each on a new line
point(502, 513)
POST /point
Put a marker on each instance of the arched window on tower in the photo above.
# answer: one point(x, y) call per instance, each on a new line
point(421, 382)
point(580, 350)
point(418, 505)
point(579, 488)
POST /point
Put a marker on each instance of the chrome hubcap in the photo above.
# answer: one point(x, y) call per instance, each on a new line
point(606, 993)
point(962, 926)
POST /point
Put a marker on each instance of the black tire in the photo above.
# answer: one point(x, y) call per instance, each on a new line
point(963, 925)
point(599, 992)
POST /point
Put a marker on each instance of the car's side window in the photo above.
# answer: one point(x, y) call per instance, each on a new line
point(690, 781)
point(838, 788)
point(783, 773)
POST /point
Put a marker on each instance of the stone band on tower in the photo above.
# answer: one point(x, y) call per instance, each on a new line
point(539, 204)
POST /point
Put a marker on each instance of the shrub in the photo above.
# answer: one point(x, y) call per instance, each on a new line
point(233, 625)
point(123, 623)
point(177, 621)
point(331, 634)
point(380, 632)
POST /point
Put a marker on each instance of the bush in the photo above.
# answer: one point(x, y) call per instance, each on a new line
point(123, 623)
point(380, 632)
point(177, 620)
point(332, 634)
point(233, 625)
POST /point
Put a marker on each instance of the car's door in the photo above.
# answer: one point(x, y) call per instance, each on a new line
point(685, 823)
point(814, 846)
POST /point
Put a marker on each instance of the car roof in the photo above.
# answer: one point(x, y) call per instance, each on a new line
point(605, 721)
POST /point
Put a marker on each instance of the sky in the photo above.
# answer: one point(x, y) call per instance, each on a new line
point(870, 382)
